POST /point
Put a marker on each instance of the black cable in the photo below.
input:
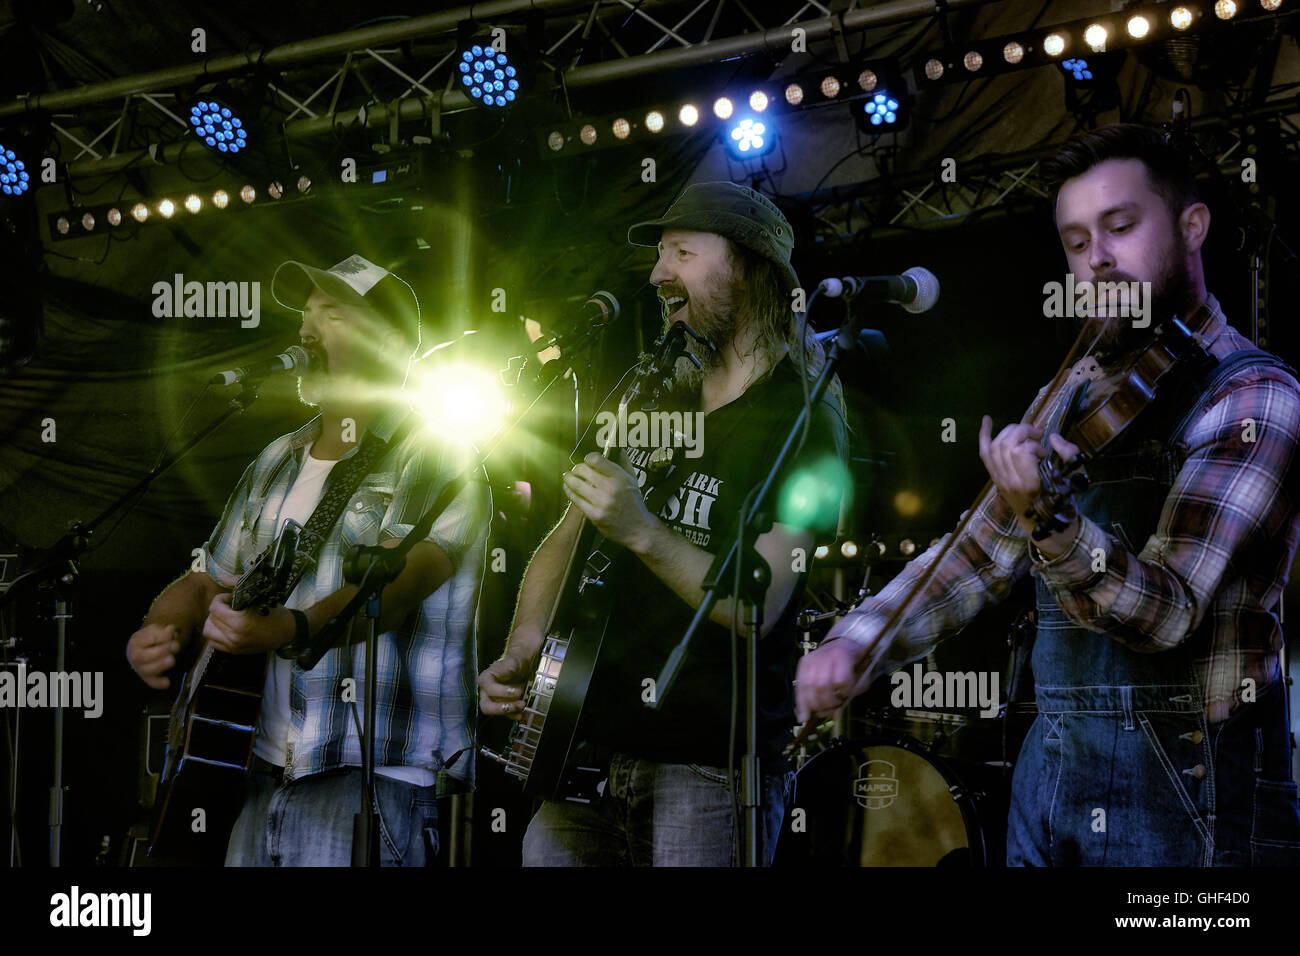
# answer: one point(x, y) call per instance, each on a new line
point(11, 735)
point(1042, 10)
point(838, 163)
point(180, 159)
point(732, 783)
point(966, 88)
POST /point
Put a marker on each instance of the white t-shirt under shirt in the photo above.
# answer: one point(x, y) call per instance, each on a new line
point(273, 721)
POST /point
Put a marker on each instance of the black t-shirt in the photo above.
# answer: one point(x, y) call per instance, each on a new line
point(740, 441)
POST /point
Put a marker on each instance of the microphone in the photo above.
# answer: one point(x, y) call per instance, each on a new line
point(600, 309)
point(916, 290)
point(292, 359)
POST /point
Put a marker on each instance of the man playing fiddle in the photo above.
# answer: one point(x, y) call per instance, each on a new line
point(1162, 735)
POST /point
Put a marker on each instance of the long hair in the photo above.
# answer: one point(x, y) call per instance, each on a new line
point(762, 296)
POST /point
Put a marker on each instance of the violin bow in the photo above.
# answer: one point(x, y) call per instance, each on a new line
point(1093, 327)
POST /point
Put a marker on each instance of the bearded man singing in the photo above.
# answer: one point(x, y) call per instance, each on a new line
point(359, 324)
point(724, 269)
point(1162, 736)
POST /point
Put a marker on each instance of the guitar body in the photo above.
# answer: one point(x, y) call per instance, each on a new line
point(544, 750)
point(209, 753)
point(214, 723)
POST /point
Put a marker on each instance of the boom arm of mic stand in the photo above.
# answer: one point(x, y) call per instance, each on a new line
point(76, 541)
point(720, 571)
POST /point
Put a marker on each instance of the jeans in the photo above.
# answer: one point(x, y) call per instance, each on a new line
point(1106, 786)
point(652, 814)
point(1121, 768)
point(308, 822)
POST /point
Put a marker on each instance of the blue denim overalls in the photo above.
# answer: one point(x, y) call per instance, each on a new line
point(1120, 767)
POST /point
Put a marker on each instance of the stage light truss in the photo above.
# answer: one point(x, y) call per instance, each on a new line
point(180, 205)
point(928, 201)
point(404, 71)
point(719, 111)
point(1077, 39)
point(939, 200)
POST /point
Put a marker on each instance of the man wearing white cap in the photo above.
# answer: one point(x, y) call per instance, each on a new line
point(359, 324)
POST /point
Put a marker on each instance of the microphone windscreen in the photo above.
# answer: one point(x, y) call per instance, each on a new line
point(607, 304)
point(299, 358)
point(927, 289)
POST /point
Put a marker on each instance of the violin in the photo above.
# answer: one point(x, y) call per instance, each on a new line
point(1103, 403)
point(1101, 408)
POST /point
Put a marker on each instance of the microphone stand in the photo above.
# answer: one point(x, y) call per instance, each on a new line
point(373, 571)
point(742, 565)
point(58, 565)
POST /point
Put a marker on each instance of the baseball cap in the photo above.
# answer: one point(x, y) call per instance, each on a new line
point(355, 280)
point(731, 210)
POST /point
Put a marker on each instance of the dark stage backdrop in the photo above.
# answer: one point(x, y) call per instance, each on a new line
point(115, 381)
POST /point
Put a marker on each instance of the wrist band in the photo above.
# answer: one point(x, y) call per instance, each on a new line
point(302, 633)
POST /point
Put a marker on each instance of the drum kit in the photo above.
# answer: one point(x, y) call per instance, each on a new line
point(904, 786)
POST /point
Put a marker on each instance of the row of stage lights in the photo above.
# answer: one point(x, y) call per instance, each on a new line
point(62, 225)
point(1097, 35)
point(487, 77)
point(748, 132)
point(850, 550)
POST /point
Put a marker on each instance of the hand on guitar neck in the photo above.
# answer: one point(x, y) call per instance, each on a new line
point(167, 638)
point(246, 632)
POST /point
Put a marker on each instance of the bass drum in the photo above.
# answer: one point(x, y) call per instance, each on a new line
point(883, 801)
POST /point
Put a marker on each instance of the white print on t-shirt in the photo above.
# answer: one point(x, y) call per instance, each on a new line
point(688, 510)
point(701, 492)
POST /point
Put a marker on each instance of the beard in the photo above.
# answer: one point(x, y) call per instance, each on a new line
point(314, 382)
point(712, 313)
point(1171, 295)
point(320, 383)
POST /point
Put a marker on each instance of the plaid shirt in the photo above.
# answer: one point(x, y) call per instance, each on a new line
point(1222, 549)
point(427, 667)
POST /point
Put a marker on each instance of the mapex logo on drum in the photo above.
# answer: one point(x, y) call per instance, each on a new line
point(877, 785)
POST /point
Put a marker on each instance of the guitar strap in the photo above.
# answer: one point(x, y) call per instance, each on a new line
point(342, 482)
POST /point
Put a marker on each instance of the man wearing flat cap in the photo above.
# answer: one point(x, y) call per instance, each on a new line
point(360, 323)
point(724, 269)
